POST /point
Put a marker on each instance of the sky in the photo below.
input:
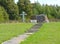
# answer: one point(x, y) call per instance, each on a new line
point(49, 2)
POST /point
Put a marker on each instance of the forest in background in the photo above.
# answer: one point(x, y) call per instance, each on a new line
point(10, 11)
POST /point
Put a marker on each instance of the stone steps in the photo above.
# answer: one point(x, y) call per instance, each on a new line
point(35, 28)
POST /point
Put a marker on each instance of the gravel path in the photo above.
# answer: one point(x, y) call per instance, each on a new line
point(20, 38)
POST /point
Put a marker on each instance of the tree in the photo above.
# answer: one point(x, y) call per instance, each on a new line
point(28, 7)
point(21, 6)
point(58, 11)
point(47, 10)
point(3, 15)
point(25, 5)
point(11, 8)
point(38, 7)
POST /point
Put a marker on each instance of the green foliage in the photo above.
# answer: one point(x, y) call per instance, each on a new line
point(3, 15)
point(21, 6)
point(28, 8)
point(25, 5)
point(38, 7)
point(35, 12)
point(51, 11)
point(11, 8)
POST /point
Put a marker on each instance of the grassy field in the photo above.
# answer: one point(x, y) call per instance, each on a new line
point(8, 31)
point(49, 34)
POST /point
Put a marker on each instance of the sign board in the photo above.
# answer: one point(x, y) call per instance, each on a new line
point(33, 21)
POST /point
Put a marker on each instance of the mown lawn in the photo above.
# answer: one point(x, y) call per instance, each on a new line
point(49, 34)
point(8, 31)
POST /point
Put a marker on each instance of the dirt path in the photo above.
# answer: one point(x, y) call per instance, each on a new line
point(20, 38)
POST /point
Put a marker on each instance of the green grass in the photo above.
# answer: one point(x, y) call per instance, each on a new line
point(49, 34)
point(8, 31)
